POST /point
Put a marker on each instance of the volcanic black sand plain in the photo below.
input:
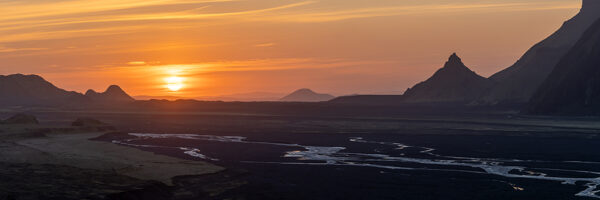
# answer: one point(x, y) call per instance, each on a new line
point(283, 156)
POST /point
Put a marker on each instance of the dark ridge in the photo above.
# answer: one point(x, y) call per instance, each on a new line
point(518, 83)
point(33, 90)
point(573, 88)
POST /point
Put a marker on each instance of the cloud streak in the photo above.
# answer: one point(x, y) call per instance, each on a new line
point(10, 50)
point(73, 18)
point(330, 16)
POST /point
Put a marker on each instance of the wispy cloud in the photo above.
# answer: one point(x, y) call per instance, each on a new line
point(187, 13)
point(337, 15)
point(69, 33)
point(10, 50)
point(63, 20)
point(26, 10)
point(136, 63)
point(192, 69)
point(73, 18)
point(265, 45)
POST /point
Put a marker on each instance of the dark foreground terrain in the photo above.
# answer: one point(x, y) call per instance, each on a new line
point(426, 157)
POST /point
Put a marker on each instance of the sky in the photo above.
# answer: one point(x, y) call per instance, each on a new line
point(199, 48)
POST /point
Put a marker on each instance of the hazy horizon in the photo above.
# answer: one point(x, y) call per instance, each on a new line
point(196, 48)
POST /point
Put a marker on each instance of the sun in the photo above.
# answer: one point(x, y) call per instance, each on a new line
point(174, 83)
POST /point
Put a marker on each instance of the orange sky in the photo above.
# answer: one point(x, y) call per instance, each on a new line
point(219, 47)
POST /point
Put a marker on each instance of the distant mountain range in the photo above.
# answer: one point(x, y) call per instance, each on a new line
point(33, 90)
point(306, 95)
point(560, 75)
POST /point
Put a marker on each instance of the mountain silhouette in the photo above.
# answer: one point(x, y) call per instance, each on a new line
point(518, 83)
point(452, 83)
point(573, 87)
point(113, 93)
point(306, 95)
point(33, 90)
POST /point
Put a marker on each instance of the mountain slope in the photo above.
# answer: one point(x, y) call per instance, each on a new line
point(33, 90)
point(113, 93)
point(573, 87)
point(518, 83)
point(452, 83)
point(306, 95)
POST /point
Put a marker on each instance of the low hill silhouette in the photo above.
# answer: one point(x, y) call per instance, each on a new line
point(306, 95)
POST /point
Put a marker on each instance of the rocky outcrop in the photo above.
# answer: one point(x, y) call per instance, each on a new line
point(92, 124)
point(21, 119)
point(113, 94)
point(453, 83)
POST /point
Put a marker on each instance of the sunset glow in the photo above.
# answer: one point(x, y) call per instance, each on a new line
point(300, 99)
point(217, 47)
point(174, 83)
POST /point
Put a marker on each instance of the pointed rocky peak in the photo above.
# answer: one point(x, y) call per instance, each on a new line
point(454, 59)
point(590, 6)
point(454, 62)
point(454, 69)
point(454, 82)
